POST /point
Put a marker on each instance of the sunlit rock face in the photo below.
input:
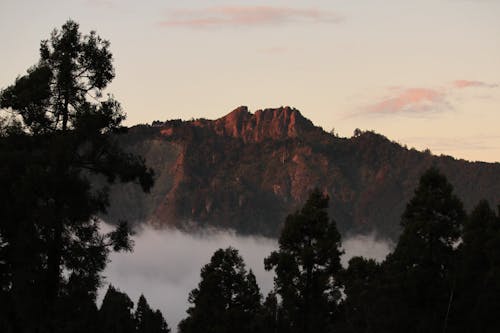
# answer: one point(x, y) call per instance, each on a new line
point(269, 124)
point(247, 171)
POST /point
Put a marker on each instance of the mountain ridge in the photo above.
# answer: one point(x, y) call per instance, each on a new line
point(248, 171)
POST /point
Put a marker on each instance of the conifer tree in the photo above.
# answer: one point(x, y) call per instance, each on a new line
point(307, 265)
point(227, 298)
point(115, 314)
point(477, 293)
point(62, 134)
point(147, 320)
point(421, 272)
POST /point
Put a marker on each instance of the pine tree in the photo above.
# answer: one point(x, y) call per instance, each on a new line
point(307, 265)
point(421, 272)
point(63, 134)
point(115, 314)
point(271, 319)
point(364, 308)
point(227, 298)
point(477, 296)
point(147, 320)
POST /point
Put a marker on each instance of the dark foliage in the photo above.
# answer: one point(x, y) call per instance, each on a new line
point(227, 298)
point(307, 266)
point(147, 320)
point(422, 267)
point(60, 134)
point(442, 276)
point(476, 300)
point(115, 314)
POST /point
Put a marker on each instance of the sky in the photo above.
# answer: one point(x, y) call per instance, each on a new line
point(165, 264)
point(423, 73)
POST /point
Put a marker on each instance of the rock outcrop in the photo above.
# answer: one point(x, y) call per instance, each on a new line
point(248, 171)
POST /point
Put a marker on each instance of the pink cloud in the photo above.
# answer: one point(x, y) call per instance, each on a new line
point(469, 83)
point(412, 100)
point(245, 16)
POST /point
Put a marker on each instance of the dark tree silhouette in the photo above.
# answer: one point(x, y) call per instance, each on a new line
point(477, 297)
point(422, 270)
point(62, 134)
point(55, 92)
point(363, 309)
point(227, 298)
point(271, 318)
point(307, 266)
point(115, 314)
point(147, 320)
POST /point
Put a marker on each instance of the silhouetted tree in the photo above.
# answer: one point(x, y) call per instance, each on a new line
point(422, 270)
point(115, 314)
point(62, 135)
point(363, 309)
point(271, 318)
point(307, 266)
point(227, 298)
point(147, 320)
point(476, 301)
point(76, 310)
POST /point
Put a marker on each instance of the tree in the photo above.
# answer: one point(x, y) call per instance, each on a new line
point(55, 92)
point(477, 297)
point(227, 298)
point(271, 318)
point(62, 136)
point(147, 320)
point(307, 266)
point(422, 270)
point(363, 309)
point(115, 314)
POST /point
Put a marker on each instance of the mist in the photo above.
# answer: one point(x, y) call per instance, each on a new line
point(165, 264)
point(369, 246)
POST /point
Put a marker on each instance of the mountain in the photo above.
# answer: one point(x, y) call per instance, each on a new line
point(248, 171)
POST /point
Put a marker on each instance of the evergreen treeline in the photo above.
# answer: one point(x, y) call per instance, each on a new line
point(443, 275)
point(115, 315)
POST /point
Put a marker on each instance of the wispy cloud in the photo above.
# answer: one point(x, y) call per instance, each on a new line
point(219, 16)
point(411, 100)
point(470, 83)
point(422, 100)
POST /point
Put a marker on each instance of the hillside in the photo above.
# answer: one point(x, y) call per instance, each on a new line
point(248, 171)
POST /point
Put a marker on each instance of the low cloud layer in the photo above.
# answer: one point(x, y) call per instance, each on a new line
point(219, 16)
point(165, 264)
point(368, 246)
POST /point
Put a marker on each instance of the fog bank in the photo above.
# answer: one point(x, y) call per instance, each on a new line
point(368, 246)
point(165, 264)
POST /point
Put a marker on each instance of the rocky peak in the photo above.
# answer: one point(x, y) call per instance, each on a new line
point(274, 123)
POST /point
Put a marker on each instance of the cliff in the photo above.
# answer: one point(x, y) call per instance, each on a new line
point(248, 171)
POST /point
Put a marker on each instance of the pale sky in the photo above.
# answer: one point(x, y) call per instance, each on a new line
point(423, 73)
